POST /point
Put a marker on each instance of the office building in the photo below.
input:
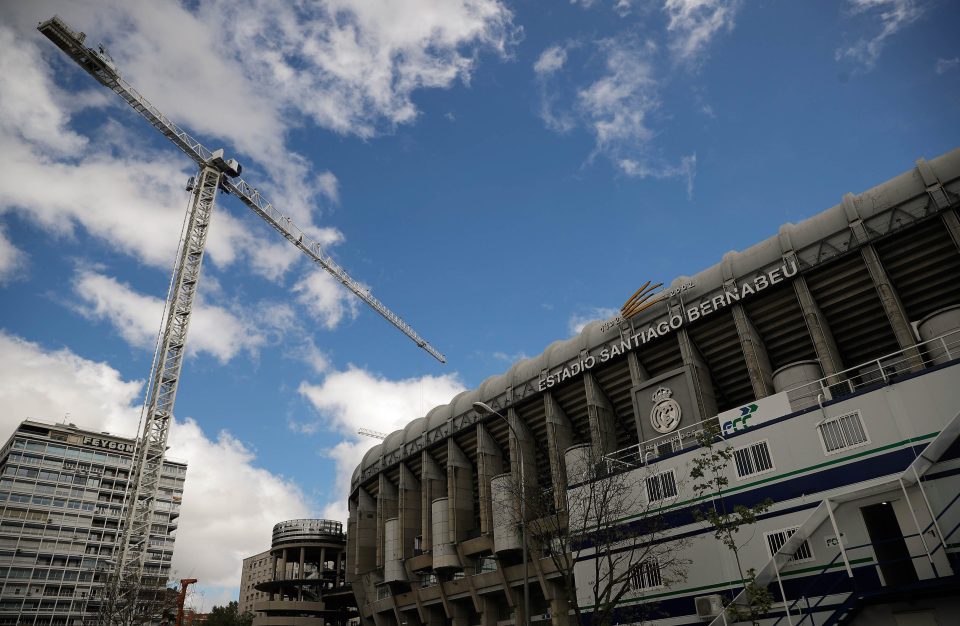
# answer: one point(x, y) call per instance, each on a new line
point(61, 493)
point(256, 569)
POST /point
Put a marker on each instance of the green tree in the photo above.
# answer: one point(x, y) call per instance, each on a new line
point(229, 615)
point(709, 474)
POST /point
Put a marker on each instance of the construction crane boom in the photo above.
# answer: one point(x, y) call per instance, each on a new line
point(216, 173)
point(99, 65)
point(369, 432)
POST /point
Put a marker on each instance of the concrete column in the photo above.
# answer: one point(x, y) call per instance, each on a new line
point(889, 297)
point(820, 334)
point(433, 485)
point(283, 564)
point(892, 305)
point(559, 438)
point(823, 342)
point(529, 454)
point(559, 606)
point(489, 464)
point(488, 616)
point(365, 546)
point(386, 509)
point(460, 614)
point(603, 429)
point(754, 351)
point(952, 222)
point(408, 510)
point(638, 376)
point(274, 577)
point(300, 575)
point(706, 399)
point(459, 492)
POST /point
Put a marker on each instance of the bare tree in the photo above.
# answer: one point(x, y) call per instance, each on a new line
point(607, 522)
point(144, 603)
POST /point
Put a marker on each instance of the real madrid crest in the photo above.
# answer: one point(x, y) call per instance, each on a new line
point(665, 415)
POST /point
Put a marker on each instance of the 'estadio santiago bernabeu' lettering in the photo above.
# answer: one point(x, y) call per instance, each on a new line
point(669, 324)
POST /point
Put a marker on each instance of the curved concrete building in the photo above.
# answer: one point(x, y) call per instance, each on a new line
point(308, 587)
point(829, 356)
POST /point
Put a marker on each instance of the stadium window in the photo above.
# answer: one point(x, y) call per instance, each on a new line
point(842, 433)
point(646, 576)
point(661, 486)
point(776, 539)
point(753, 459)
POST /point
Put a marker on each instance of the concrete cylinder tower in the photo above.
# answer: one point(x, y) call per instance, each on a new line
point(308, 586)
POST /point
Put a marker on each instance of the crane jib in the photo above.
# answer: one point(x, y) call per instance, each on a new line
point(99, 65)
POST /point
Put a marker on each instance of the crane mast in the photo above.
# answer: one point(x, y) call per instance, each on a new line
point(215, 173)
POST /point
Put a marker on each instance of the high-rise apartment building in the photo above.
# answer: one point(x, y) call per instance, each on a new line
point(256, 569)
point(61, 496)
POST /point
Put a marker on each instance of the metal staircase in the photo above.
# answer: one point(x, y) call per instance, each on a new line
point(836, 592)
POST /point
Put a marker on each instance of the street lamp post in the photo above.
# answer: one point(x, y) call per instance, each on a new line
point(484, 409)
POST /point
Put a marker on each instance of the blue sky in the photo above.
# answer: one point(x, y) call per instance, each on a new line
point(497, 172)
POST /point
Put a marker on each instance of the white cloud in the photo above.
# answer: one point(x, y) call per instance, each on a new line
point(354, 398)
point(128, 196)
point(258, 70)
point(616, 108)
point(617, 104)
point(329, 185)
point(947, 65)
point(550, 60)
point(11, 258)
point(348, 66)
point(137, 317)
point(686, 169)
point(510, 358)
point(229, 504)
point(622, 7)
point(693, 24)
point(894, 15)
point(579, 321)
point(325, 299)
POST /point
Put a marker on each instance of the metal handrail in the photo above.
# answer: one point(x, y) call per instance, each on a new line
point(882, 369)
point(825, 569)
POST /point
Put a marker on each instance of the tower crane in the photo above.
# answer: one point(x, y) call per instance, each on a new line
point(215, 173)
point(369, 432)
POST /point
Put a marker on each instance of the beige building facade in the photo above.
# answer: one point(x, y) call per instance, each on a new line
point(256, 569)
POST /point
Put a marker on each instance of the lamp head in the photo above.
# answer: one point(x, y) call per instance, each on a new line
point(483, 408)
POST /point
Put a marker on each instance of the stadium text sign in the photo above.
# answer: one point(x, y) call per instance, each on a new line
point(674, 321)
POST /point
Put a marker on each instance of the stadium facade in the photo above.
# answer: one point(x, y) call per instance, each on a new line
point(61, 494)
point(826, 355)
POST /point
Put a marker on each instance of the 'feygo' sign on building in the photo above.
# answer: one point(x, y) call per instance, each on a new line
point(108, 444)
point(669, 324)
